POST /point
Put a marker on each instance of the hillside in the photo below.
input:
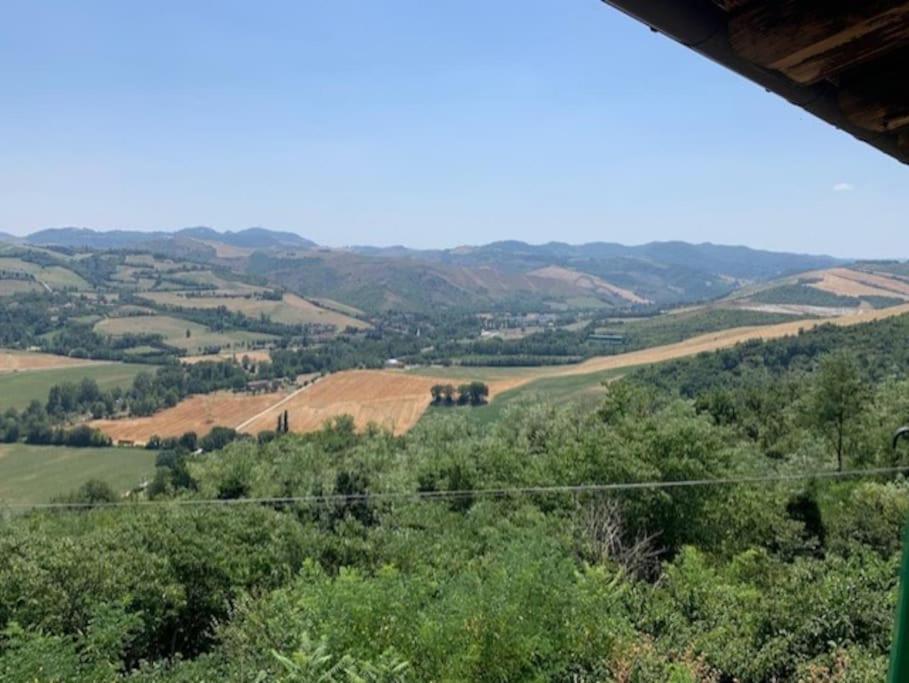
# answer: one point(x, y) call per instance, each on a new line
point(507, 275)
point(824, 293)
point(737, 262)
point(86, 238)
point(518, 275)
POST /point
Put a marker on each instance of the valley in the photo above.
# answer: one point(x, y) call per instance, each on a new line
point(194, 331)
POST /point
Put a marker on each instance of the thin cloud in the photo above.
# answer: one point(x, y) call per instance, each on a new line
point(843, 187)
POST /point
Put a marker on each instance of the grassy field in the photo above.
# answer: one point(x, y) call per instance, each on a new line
point(291, 310)
point(56, 277)
point(174, 332)
point(17, 389)
point(35, 474)
point(578, 389)
point(482, 373)
point(561, 383)
point(11, 287)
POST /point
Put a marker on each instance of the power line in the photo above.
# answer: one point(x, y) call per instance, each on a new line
point(470, 493)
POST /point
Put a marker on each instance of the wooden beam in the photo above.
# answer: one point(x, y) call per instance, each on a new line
point(879, 114)
point(731, 5)
point(812, 40)
point(876, 97)
point(902, 144)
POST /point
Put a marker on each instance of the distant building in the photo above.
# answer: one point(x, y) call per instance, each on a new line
point(609, 338)
point(394, 364)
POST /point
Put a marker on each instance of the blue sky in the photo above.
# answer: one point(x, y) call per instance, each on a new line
point(412, 122)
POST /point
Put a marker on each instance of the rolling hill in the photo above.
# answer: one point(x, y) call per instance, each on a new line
point(86, 238)
point(826, 293)
point(506, 275)
point(516, 276)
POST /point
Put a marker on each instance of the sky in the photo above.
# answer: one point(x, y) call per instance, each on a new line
point(429, 124)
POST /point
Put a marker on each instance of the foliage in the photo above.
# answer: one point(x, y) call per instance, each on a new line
point(385, 558)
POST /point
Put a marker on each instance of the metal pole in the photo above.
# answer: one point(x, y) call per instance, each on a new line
point(899, 654)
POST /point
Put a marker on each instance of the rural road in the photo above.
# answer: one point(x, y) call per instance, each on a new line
point(243, 425)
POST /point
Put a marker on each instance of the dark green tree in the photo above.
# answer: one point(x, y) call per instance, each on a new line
point(837, 400)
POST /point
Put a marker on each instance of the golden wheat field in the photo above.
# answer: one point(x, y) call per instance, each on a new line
point(254, 355)
point(847, 282)
point(194, 414)
point(390, 399)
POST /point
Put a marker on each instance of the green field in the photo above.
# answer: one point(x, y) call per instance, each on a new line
point(18, 389)
point(291, 310)
point(56, 277)
point(9, 287)
point(174, 332)
point(35, 474)
point(482, 373)
point(586, 390)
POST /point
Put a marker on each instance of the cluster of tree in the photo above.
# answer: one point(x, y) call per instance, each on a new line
point(369, 350)
point(216, 439)
point(27, 317)
point(36, 427)
point(150, 393)
point(472, 393)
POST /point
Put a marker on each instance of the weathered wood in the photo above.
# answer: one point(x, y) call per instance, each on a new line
point(880, 109)
point(810, 40)
point(877, 98)
point(903, 145)
point(731, 5)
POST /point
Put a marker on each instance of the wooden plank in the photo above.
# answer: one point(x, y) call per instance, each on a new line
point(811, 40)
point(877, 98)
point(731, 5)
point(903, 145)
point(881, 109)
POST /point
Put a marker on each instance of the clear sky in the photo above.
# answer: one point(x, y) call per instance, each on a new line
point(421, 122)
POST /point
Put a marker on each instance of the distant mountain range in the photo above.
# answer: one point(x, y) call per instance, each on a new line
point(10, 239)
point(516, 275)
point(734, 261)
point(86, 238)
point(509, 275)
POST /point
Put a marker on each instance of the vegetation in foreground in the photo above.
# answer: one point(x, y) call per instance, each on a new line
point(793, 581)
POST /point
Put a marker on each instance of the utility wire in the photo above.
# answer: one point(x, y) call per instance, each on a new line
point(470, 493)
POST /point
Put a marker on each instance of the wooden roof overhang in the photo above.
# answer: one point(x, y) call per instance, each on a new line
point(845, 61)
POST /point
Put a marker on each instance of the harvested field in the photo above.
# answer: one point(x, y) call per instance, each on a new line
point(195, 414)
point(847, 282)
point(718, 340)
point(291, 310)
point(392, 400)
point(256, 356)
point(796, 309)
point(713, 341)
point(19, 361)
point(586, 281)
